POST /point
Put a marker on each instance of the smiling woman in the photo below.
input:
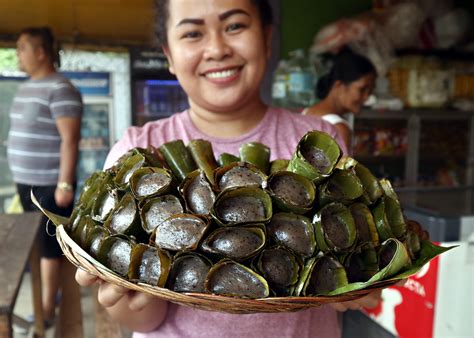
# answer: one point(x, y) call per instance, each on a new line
point(218, 50)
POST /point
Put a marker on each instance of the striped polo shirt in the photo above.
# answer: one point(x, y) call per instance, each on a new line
point(33, 139)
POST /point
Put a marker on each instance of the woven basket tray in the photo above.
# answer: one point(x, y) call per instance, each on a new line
point(77, 256)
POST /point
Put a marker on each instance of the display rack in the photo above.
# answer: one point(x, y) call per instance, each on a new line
point(412, 146)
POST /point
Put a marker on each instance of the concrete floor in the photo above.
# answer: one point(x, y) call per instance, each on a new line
point(24, 307)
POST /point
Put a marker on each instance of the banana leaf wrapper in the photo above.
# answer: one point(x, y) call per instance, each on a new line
point(178, 158)
point(393, 257)
point(294, 232)
point(129, 166)
point(181, 232)
point(279, 165)
point(257, 154)
point(412, 244)
point(342, 186)
point(381, 221)
point(188, 272)
point(92, 186)
point(238, 243)
point(395, 216)
point(106, 200)
point(125, 219)
point(238, 206)
point(149, 265)
point(203, 155)
point(388, 189)
point(238, 174)
point(94, 239)
point(316, 156)
point(81, 231)
point(428, 251)
point(291, 192)
point(222, 277)
point(320, 276)
point(361, 264)
point(115, 252)
point(372, 188)
point(151, 155)
point(335, 228)
point(280, 267)
point(225, 159)
point(365, 224)
point(156, 210)
point(149, 182)
point(197, 192)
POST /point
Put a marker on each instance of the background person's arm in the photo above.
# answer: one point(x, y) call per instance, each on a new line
point(70, 131)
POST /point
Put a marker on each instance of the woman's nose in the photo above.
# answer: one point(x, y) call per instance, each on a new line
point(217, 47)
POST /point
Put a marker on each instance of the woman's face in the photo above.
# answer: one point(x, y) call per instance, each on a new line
point(218, 50)
point(354, 94)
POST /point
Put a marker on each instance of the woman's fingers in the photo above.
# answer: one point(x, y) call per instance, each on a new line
point(370, 301)
point(110, 294)
point(139, 300)
point(84, 278)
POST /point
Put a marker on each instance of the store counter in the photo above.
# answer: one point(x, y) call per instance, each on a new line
point(446, 213)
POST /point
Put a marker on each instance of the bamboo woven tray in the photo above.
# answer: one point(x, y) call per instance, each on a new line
point(77, 256)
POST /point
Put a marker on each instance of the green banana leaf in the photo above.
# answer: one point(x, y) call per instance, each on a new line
point(316, 156)
point(178, 158)
point(256, 153)
point(56, 219)
point(203, 155)
point(278, 165)
point(428, 251)
point(226, 159)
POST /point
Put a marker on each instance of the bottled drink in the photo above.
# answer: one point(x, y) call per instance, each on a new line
point(280, 85)
point(301, 80)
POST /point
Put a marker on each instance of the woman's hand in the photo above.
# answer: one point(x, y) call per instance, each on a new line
point(370, 301)
point(110, 294)
point(138, 311)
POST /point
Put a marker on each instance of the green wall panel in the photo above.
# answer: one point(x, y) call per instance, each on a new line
point(302, 19)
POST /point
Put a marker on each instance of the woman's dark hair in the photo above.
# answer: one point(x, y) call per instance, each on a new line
point(46, 40)
point(347, 67)
point(162, 16)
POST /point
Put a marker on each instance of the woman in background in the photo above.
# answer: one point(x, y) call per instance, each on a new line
point(344, 89)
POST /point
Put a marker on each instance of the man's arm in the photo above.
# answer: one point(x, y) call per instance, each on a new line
point(70, 131)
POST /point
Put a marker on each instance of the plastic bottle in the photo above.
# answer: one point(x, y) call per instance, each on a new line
point(301, 80)
point(280, 85)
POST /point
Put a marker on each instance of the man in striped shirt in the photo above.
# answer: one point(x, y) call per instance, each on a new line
point(45, 120)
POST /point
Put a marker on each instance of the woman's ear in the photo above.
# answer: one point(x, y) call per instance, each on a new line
point(166, 50)
point(337, 85)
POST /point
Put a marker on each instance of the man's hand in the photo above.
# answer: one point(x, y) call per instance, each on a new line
point(63, 198)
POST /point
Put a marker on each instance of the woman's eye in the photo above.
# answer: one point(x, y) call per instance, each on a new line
point(234, 27)
point(191, 35)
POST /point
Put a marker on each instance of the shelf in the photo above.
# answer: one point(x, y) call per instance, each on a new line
point(448, 134)
point(378, 158)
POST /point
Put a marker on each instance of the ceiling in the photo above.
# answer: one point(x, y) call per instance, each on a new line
point(103, 22)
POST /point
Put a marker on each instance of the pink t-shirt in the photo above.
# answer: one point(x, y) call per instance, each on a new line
point(280, 130)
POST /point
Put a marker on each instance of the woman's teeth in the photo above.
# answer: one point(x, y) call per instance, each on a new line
point(223, 74)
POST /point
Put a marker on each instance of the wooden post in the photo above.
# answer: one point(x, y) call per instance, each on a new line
point(69, 324)
point(36, 290)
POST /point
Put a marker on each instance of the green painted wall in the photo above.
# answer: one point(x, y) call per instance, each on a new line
point(302, 19)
